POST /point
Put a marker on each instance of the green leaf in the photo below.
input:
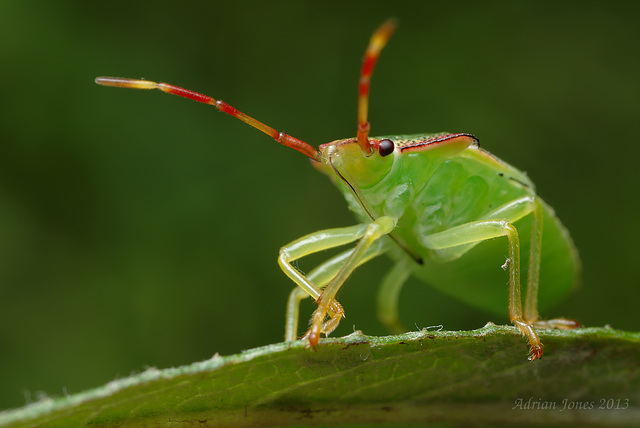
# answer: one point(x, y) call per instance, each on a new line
point(588, 375)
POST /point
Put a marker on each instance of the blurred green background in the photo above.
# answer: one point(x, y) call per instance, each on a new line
point(138, 229)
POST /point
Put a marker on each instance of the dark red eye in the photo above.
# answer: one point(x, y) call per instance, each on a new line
point(386, 147)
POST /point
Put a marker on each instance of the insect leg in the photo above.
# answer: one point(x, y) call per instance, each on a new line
point(512, 211)
point(293, 314)
point(374, 231)
point(388, 294)
point(320, 276)
point(314, 243)
point(477, 231)
point(531, 299)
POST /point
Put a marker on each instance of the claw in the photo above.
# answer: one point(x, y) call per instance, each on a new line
point(313, 336)
point(536, 352)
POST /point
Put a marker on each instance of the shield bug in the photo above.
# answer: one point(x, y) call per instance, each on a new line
point(434, 203)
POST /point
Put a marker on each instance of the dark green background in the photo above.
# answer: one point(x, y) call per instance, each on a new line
point(137, 229)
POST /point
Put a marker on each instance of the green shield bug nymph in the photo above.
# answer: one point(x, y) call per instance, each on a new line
point(427, 201)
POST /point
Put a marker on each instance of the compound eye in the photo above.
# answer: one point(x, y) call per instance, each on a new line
point(386, 147)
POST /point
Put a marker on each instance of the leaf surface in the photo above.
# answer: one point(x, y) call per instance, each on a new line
point(588, 375)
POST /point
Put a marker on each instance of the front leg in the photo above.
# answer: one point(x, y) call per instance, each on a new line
point(328, 272)
point(376, 230)
point(320, 276)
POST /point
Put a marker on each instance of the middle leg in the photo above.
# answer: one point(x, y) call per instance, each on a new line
point(478, 231)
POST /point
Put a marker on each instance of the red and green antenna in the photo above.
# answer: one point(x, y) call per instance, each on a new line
point(280, 137)
point(377, 42)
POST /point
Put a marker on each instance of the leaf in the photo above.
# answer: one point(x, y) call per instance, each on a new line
point(588, 375)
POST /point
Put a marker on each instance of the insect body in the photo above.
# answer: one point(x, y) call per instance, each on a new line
point(434, 203)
